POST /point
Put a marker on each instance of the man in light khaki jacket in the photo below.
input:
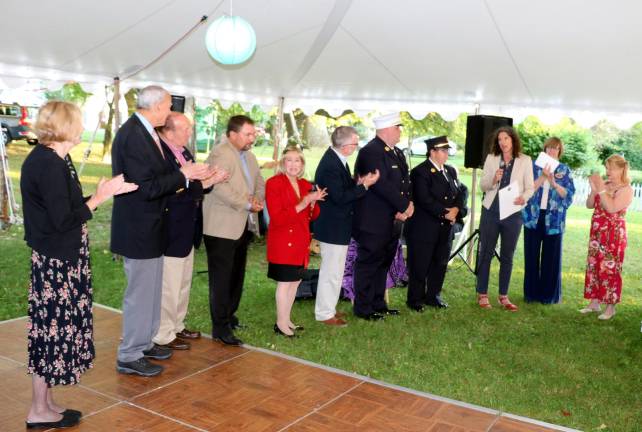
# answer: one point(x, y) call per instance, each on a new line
point(229, 222)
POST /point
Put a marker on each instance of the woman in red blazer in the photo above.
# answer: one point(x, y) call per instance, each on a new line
point(291, 201)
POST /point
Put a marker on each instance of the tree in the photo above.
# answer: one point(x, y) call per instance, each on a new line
point(532, 133)
point(70, 92)
point(577, 143)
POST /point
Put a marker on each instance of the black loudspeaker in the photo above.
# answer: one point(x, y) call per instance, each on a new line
point(178, 103)
point(479, 132)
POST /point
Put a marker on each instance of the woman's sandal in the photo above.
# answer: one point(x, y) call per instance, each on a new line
point(482, 301)
point(506, 304)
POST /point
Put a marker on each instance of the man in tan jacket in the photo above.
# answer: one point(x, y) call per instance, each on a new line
point(229, 221)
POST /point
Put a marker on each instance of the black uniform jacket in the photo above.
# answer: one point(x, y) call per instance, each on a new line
point(432, 195)
point(391, 194)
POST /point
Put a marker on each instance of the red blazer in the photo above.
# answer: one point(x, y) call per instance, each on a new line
point(288, 237)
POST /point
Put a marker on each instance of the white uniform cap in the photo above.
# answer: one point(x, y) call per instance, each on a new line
point(387, 120)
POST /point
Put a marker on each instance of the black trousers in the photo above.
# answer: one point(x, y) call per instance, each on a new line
point(427, 264)
point(226, 261)
point(375, 253)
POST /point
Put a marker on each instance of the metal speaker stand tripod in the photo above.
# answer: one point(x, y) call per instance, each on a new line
point(474, 237)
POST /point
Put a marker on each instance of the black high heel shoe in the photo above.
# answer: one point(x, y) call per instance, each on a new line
point(278, 331)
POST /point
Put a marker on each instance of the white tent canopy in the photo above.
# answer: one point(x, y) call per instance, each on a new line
point(577, 58)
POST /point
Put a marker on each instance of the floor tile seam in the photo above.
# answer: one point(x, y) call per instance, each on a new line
point(414, 392)
point(98, 392)
point(19, 363)
point(319, 408)
point(494, 422)
point(120, 402)
point(189, 376)
point(175, 420)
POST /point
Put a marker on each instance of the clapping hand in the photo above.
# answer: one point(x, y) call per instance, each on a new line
point(316, 195)
point(114, 186)
point(597, 183)
point(219, 175)
point(196, 171)
point(546, 172)
point(369, 179)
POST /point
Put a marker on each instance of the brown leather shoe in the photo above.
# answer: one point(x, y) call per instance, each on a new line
point(334, 321)
point(177, 344)
point(188, 334)
point(340, 315)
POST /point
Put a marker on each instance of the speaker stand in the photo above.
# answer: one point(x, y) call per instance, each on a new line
point(457, 253)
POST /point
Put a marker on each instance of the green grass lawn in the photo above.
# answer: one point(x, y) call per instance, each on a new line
point(545, 362)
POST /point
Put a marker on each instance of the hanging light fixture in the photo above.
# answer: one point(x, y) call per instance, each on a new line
point(230, 39)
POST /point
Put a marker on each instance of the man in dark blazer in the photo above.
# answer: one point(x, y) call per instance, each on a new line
point(333, 227)
point(379, 217)
point(439, 203)
point(184, 230)
point(137, 231)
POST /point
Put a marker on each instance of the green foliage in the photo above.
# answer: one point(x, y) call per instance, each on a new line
point(211, 122)
point(433, 124)
point(628, 144)
point(532, 134)
point(577, 140)
point(70, 92)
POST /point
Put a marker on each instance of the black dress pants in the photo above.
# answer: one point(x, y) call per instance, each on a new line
point(427, 265)
point(375, 253)
point(226, 261)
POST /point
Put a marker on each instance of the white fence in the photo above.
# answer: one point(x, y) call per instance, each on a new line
point(582, 190)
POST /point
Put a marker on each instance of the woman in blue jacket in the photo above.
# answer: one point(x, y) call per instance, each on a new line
point(544, 219)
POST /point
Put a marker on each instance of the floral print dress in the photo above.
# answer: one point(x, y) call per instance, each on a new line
point(607, 243)
point(60, 327)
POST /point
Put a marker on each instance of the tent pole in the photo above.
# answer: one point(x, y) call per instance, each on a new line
point(297, 135)
point(473, 206)
point(278, 131)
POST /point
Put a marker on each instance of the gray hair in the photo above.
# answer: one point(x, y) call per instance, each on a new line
point(342, 135)
point(151, 96)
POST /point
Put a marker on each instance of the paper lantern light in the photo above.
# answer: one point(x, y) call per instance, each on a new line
point(230, 40)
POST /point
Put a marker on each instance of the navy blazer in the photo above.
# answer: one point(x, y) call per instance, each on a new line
point(52, 204)
point(375, 213)
point(334, 224)
point(137, 217)
point(432, 193)
point(184, 215)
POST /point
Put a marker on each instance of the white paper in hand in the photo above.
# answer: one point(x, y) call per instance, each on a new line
point(507, 198)
point(543, 159)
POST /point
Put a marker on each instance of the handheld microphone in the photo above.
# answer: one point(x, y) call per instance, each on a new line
point(501, 164)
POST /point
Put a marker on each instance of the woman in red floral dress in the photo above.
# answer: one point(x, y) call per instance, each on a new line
point(603, 282)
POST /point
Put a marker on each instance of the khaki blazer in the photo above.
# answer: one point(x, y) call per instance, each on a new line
point(225, 209)
point(522, 174)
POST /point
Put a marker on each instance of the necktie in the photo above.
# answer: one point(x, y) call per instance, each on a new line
point(158, 144)
point(348, 168)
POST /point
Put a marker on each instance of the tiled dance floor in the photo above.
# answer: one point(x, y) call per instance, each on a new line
point(213, 387)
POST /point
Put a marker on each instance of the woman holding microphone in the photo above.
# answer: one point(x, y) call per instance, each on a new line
point(504, 165)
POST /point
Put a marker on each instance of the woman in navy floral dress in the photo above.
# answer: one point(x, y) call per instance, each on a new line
point(60, 328)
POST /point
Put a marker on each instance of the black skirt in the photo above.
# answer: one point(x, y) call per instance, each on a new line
point(285, 272)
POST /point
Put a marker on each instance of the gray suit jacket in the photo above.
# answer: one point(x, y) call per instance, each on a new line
point(225, 210)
